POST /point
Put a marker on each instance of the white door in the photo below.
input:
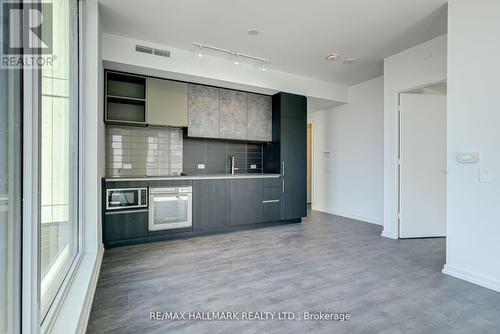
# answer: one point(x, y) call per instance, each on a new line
point(422, 185)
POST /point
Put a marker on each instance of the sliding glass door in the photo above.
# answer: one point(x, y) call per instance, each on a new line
point(58, 169)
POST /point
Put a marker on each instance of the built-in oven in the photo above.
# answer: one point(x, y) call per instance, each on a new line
point(170, 208)
point(126, 198)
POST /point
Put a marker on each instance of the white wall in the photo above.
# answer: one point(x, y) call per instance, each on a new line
point(186, 65)
point(412, 68)
point(349, 181)
point(473, 244)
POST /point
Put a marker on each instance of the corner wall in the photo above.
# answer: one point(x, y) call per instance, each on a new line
point(348, 155)
point(416, 67)
point(473, 227)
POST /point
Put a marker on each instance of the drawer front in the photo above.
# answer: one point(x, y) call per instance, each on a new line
point(271, 194)
point(271, 211)
point(272, 183)
point(125, 225)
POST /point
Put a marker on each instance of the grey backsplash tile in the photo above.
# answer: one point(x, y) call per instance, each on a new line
point(163, 151)
point(149, 151)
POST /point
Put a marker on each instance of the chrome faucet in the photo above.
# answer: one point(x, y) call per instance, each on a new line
point(232, 164)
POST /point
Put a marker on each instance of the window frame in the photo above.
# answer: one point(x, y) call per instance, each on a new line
point(32, 321)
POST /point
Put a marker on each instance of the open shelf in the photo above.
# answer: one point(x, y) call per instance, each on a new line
point(125, 98)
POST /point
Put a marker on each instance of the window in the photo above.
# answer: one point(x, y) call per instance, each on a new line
point(10, 193)
point(59, 155)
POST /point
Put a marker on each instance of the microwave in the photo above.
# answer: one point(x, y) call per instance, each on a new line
point(127, 198)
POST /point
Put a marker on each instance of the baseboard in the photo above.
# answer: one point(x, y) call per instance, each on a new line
point(89, 297)
point(390, 235)
point(471, 277)
point(362, 218)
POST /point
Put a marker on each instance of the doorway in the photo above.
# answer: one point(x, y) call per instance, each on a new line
point(309, 163)
point(422, 162)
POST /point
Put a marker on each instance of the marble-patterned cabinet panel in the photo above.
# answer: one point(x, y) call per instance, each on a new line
point(233, 114)
point(259, 117)
point(203, 111)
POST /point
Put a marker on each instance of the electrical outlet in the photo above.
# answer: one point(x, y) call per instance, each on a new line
point(201, 166)
point(253, 166)
point(127, 166)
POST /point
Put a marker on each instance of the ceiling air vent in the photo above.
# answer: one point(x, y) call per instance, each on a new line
point(162, 53)
point(145, 49)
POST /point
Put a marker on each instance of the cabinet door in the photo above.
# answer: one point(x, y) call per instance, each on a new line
point(293, 105)
point(125, 226)
point(246, 201)
point(233, 114)
point(271, 202)
point(167, 102)
point(203, 111)
point(294, 198)
point(211, 204)
point(293, 147)
point(259, 125)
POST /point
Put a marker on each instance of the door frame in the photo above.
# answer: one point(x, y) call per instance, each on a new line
point(397, 156)
point(311, 123)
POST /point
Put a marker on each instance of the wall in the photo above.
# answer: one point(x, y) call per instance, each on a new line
point(148, 150)
point(186, 65)
point(419, 66)
point(473, 246)
point(348, 181)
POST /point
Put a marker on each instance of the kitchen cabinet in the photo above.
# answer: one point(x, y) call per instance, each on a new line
point(233, 114)
point(125, 98)
point(203, 111)
point(271, 203)
point(287, 154)
point(246, 201)
point(259, 119)
point(125, 225)
point(211, 205)
point(167, 102)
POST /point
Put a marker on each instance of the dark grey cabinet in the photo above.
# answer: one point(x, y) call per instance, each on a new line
point(211, 204)
point(125, 225)
point(287, 154)
point(246, 201)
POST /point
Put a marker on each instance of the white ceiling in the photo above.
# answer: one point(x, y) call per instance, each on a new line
point(295, 35)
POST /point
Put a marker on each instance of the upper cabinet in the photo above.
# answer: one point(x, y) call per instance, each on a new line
point(206, 111)
point(233, 114)
point(228, 114)
point(203, 111)
point(259, 117)
point(167, 102)
point(125, 98)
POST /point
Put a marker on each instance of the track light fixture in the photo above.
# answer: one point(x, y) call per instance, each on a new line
point(237, 55)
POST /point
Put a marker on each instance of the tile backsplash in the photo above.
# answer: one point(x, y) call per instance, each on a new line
point(135, 151)
point(215, 156)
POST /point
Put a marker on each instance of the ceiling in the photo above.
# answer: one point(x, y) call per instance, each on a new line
point(295, 35)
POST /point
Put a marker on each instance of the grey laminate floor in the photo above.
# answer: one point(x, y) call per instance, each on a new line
point(327, 263)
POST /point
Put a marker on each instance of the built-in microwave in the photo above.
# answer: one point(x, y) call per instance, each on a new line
point(126, 198)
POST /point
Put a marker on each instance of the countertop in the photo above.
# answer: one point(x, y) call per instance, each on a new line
point(193, 177)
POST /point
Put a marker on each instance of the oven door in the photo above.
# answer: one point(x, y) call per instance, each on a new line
point(169, 209)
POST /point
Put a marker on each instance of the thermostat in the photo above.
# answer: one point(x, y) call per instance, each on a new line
point(467, 157)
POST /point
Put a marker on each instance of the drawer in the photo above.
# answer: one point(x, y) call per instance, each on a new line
point(125, 184)
point(272, 183)
point(271, 194)
point(271, 211)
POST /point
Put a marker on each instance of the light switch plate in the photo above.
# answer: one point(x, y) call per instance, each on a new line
point(127, 166)
point(484, 175)
point(201, 166)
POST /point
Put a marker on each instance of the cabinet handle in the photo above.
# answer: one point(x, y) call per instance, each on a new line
point(271, 201)
point(283, 168)
point(283, 186)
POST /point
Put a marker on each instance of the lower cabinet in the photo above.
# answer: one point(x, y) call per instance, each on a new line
point(211, 204)
point(271, 204)
point(246, 201)
point(125, 225)
point(294, 198)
